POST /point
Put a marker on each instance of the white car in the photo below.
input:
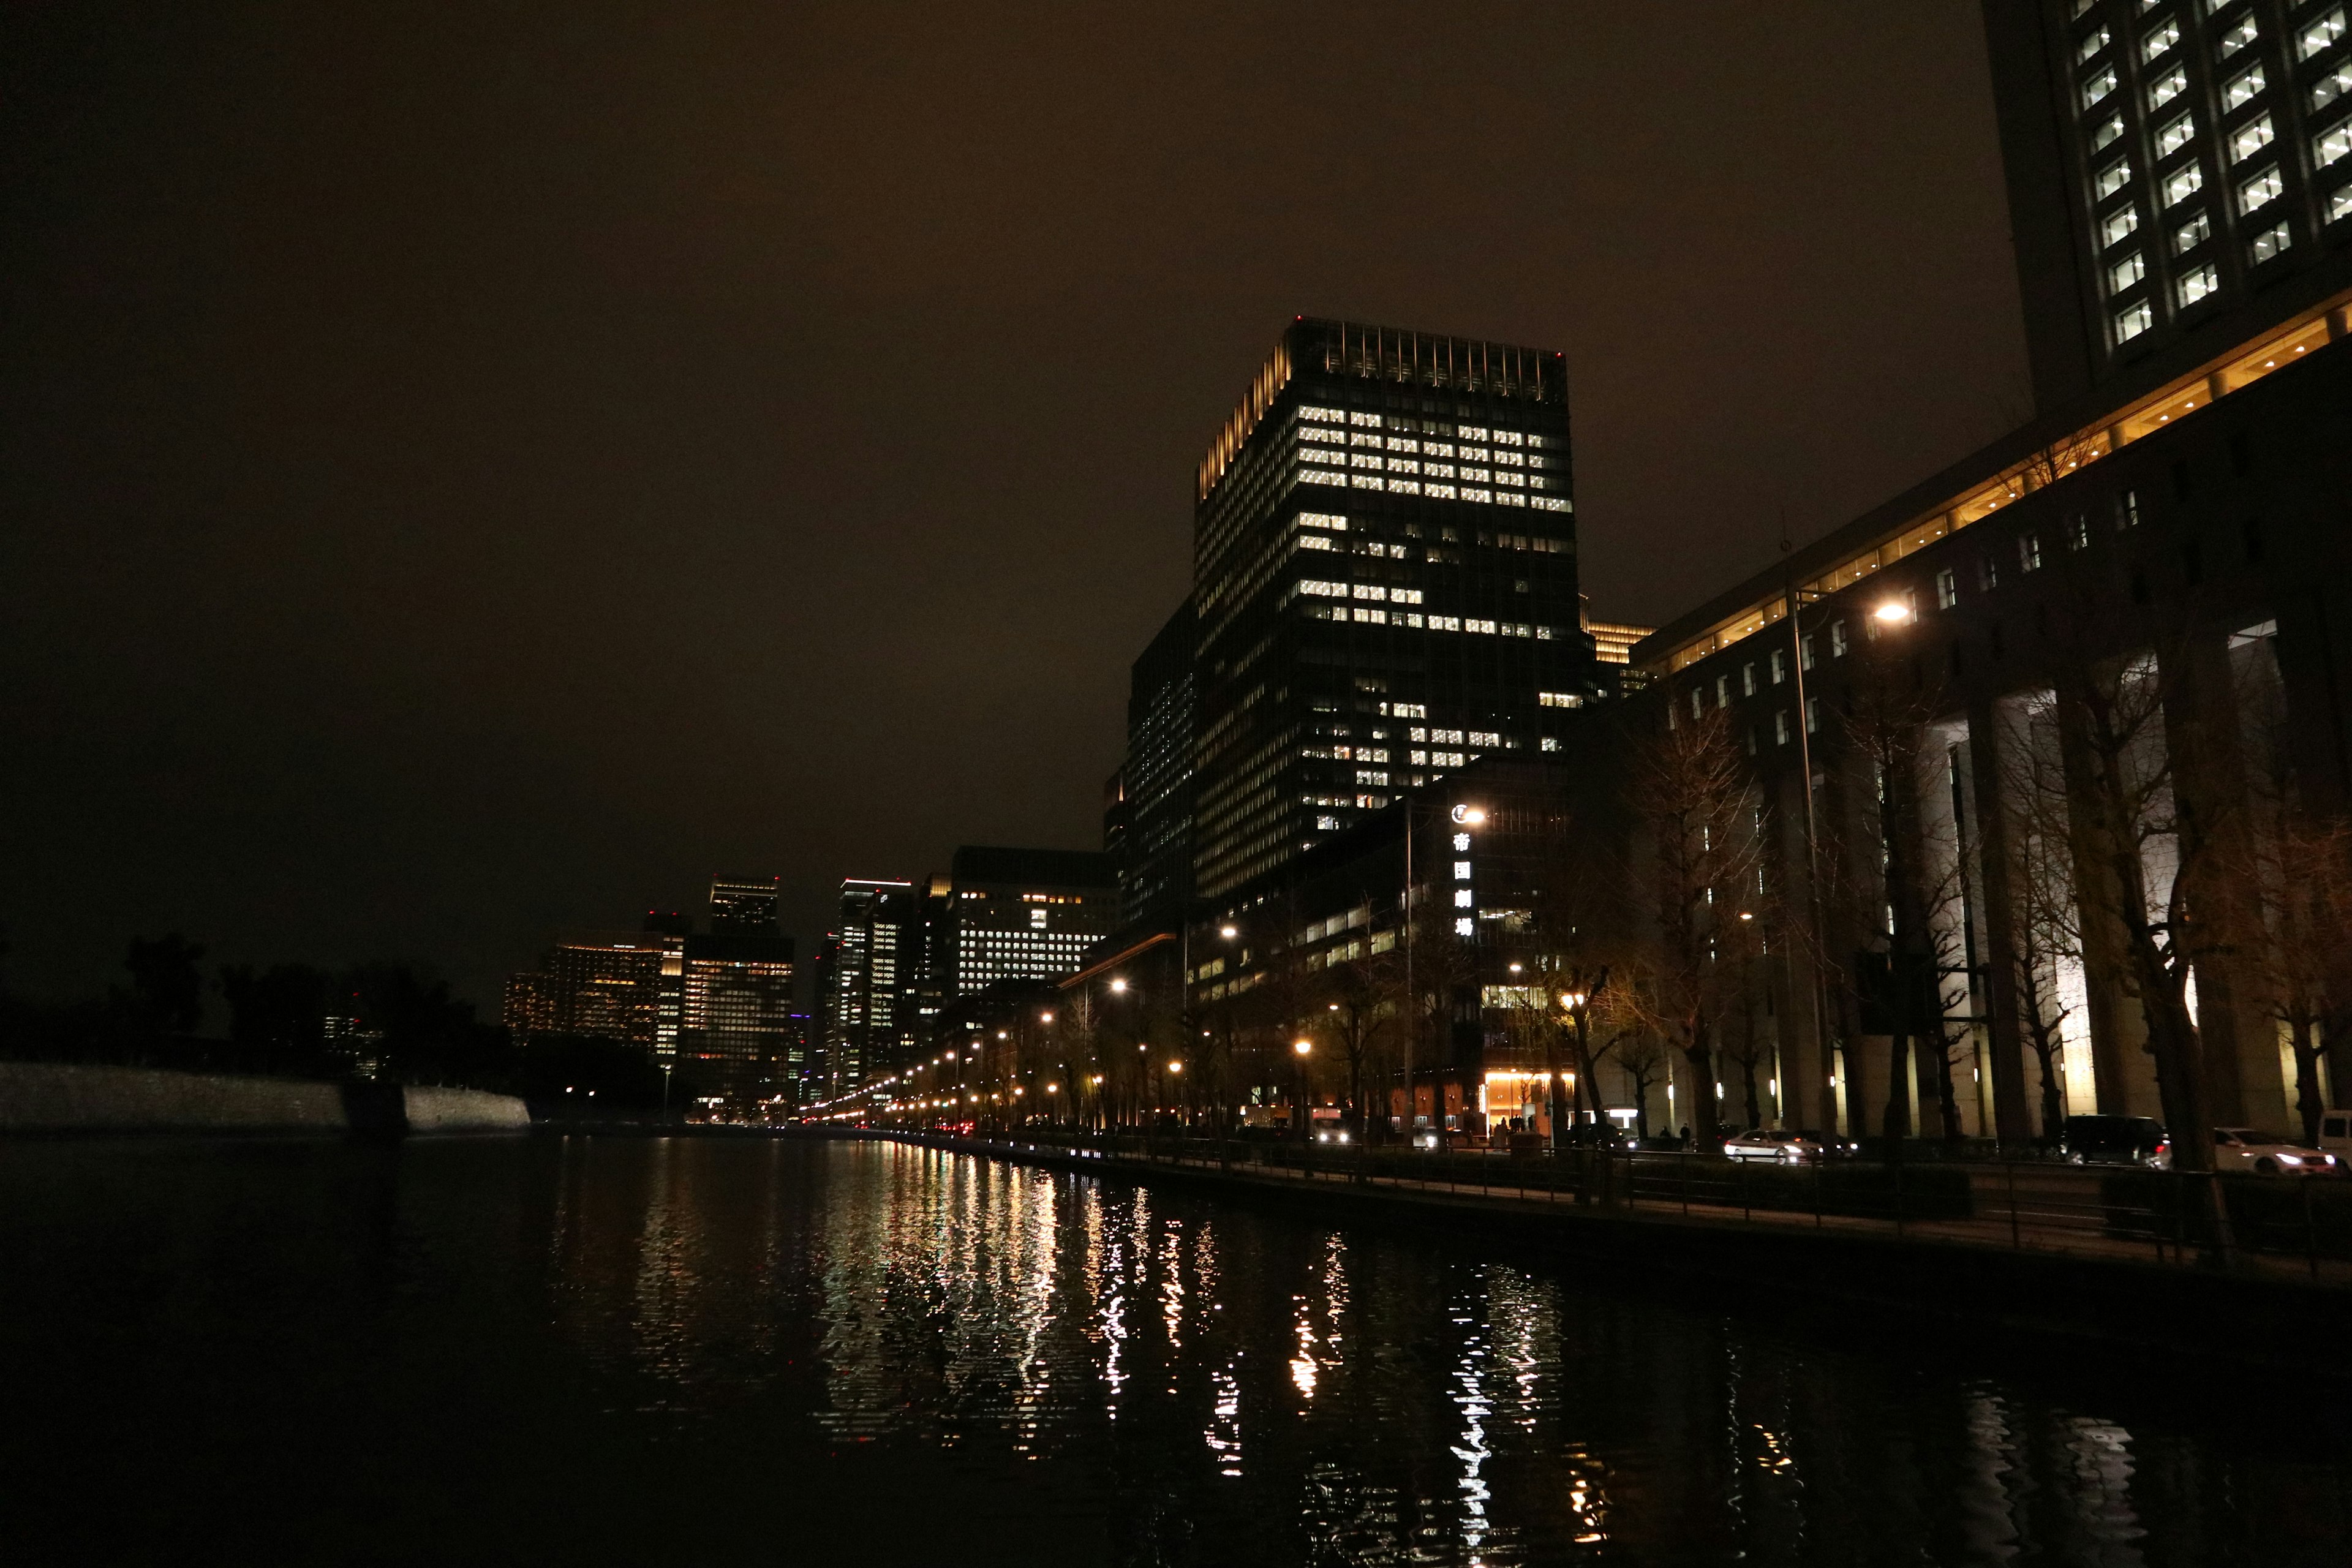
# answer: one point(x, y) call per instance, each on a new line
point(1785, 1147)
point(2269, 1154)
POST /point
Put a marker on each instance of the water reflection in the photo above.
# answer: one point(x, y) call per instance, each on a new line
point(932, 1349)
point(1349, 1399)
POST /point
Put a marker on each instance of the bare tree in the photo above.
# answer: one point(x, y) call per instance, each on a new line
point(1690, 794)
point(1358, 1007)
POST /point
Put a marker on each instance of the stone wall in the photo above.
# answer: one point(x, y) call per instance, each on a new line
point(45, 1096)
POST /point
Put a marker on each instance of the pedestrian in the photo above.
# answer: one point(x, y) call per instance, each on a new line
point(1683, 1140)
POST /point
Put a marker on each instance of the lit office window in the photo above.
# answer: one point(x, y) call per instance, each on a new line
point(2104, 136)
point(1473, 625)
point(1518, 460)
point(1747, 681)
point(2126, 272)
point(1323, 415)
point(2158, 40)
point(1551, 503)
point(2191, 234)
point(2119, 226)
point(2194, 286)
point(2097, 88)
point(1315, 542)
point(2331, 144)
point(1405, 595)
point(2092, 42)
point(1437, 448)
point(1446, 623)
point(2251, 138)
point(1806, 650)
point(2114, 178)
point(2175, 134)
point(1837, 639)
point(1404, 487)
point(1780, 666)
point(1505, 477)
point(1948, 589)
point(1471, 432)
point(1329, 520)
point(2329, 86)
point(1404, 465)
point(2260, 191)
point(1484, 737)
point(2168, 87)
point(1442, 492)
point(2242, 89)
point(1551, 742)
point(2182, 183)
point(2244, 31)
point(1368, 421)
point(1812, 715)
point(2316, 36)
point(2339, 206)
point(2029, 552)
point(1317, 455)
point(2269, 243)
point(1723, 690)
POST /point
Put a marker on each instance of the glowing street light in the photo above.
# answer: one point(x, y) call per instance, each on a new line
point(1893, 613)
point(1302, 1047)
point(1228, 933)
point(1119, 985)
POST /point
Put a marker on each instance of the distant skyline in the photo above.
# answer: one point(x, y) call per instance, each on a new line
point(468, 484)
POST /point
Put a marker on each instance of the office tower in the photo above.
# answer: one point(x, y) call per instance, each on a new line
point(874, 955)
point(673, 928)
point(930, 985)
point(744, 906)
point(2179, 177)
point(607, 986)
point(1027, 915)
point(735, 998)
point(1153, 814)
point(1384, 577)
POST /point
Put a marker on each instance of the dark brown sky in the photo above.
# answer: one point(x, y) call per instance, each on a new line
point(471, 474)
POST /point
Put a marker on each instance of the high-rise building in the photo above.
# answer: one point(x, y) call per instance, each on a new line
point(1154, 851)
point(1384, 578)
point(736, 1031)
point(1027, 915)
point(603, 985)
point(2179, 177)
point(744, 906)
point(870, 962)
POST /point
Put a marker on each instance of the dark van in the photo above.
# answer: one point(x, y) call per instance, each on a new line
point(2112, 1140)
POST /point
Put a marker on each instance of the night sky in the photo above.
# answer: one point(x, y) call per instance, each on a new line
point(473, 472)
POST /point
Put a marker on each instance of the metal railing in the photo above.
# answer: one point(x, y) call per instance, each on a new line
point(2301, 1226)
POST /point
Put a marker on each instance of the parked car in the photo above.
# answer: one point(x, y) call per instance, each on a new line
point(2269, 1154)
point(2112, 1140)
point(1758, 1143)
point(2336, 1133)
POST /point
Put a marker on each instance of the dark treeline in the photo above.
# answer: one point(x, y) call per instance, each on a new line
point(392, 1021)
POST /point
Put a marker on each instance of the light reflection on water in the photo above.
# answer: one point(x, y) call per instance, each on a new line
point(855, 1333)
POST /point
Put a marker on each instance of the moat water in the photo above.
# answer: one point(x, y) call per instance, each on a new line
point(705, 1349)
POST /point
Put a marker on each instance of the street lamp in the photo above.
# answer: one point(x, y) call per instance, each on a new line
point(1894, 612)
point(1119, 985)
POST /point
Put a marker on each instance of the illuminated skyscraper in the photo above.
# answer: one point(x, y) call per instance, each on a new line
point(1384, 577)
point(870, 963)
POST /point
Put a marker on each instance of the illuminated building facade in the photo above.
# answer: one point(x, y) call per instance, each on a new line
point(607, 986)
point(1027, 915)
point(738, 1033)
point(868, 966)
point(2180, 173)
point(1384, 582)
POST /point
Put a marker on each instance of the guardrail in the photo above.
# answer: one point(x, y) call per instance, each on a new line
point(2302, 1225)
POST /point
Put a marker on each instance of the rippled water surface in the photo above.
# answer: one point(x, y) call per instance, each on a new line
point(704, 1350)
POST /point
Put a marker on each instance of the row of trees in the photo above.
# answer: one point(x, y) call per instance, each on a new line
point(388, 1020)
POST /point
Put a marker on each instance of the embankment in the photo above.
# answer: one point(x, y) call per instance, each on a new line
point(56, 1098)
